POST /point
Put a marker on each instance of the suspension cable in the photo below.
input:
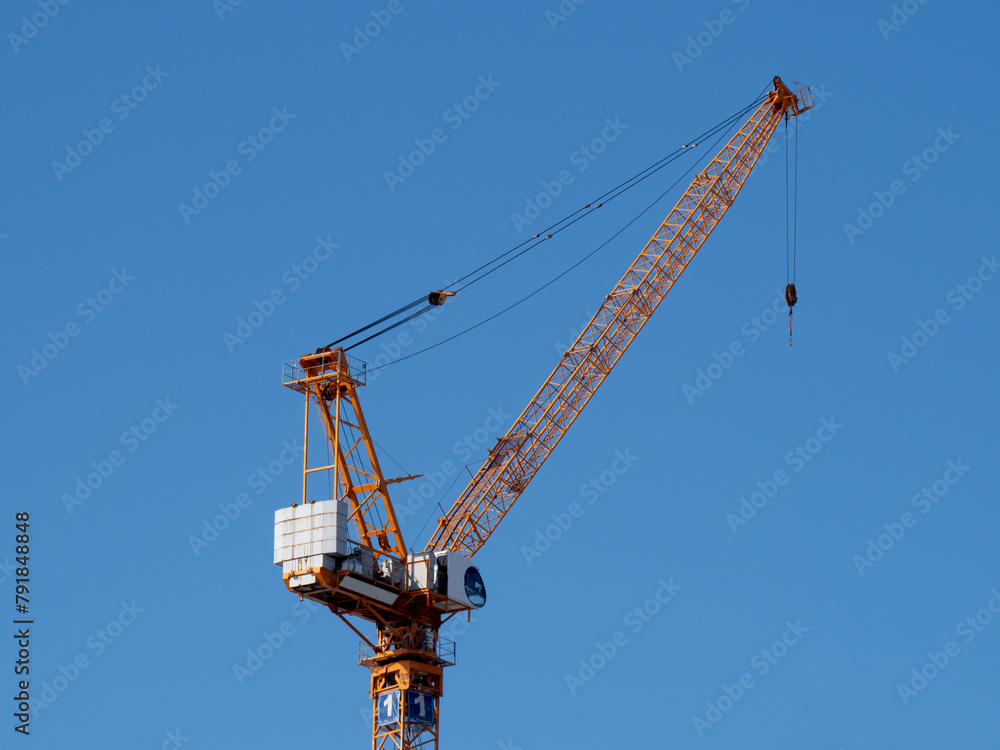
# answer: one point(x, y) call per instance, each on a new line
point(418, 313)
point(563, 273)
point(520, 249)
point(604, 199)
point(384, 318)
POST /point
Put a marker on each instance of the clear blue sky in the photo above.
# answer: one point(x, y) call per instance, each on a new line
point(170, 170)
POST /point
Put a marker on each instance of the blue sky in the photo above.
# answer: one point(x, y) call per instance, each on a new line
point(194, 193)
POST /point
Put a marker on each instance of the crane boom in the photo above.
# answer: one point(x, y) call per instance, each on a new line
point(518, 455)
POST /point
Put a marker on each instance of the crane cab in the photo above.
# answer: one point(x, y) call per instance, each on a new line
point(449, 574)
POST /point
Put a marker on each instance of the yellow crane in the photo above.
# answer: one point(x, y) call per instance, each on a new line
point(347, 552)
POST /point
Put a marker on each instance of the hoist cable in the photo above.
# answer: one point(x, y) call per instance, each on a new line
point(795, 203)
point(791, 226)
point(787, 212)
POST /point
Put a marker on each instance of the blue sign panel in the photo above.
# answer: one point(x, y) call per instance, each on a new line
point(388, 708)
point(419, 707)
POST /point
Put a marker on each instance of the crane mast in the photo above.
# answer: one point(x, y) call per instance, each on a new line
point(347, 553)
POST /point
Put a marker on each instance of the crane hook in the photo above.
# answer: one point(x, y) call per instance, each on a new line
point(791, 298)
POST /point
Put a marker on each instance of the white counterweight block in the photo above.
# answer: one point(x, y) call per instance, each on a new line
point(311, 529)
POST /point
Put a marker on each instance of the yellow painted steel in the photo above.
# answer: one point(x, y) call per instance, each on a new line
point(520, 453)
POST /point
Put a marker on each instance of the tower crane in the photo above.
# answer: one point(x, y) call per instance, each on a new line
point(347, 552)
